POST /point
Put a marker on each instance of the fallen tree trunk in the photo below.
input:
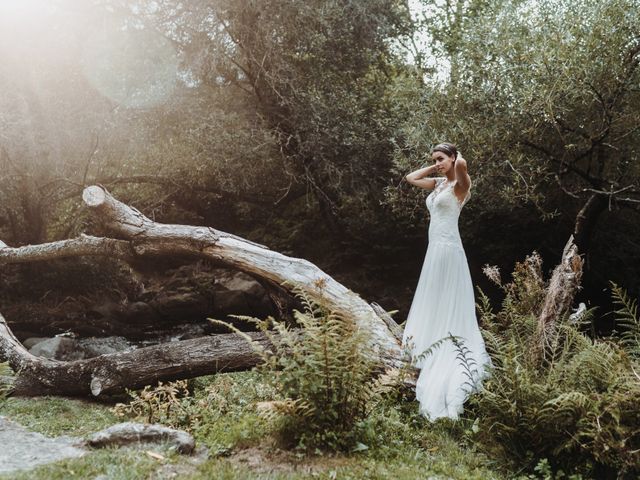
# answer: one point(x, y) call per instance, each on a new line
point(150, 238)
point(84, 245)
point(113, 372)
point(140, 237)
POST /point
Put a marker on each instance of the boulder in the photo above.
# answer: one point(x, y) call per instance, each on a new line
point(58, 348)
point(31, 341)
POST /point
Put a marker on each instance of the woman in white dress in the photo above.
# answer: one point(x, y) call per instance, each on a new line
point(443, 313)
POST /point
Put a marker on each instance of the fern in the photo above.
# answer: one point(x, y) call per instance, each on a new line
point(469, 365)
point(487, 317)
point(577, 409)
point(430, 350)
point(627, 318)
point(325, 374)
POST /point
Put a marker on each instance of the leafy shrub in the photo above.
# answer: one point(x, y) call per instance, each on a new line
point(217, 409)
point(324, 372)
point(579, 409)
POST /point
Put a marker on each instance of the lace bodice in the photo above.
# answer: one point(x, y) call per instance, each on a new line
point(444, 208)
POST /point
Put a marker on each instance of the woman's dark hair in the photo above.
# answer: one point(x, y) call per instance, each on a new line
point(446, 148)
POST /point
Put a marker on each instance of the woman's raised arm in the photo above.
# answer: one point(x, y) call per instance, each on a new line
point(418, 179)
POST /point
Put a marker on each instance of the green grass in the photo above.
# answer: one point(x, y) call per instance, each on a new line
point(120, 464)
point(241, 446)
point(55, 416)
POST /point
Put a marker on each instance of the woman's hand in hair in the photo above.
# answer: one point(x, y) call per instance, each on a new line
point(462, 176)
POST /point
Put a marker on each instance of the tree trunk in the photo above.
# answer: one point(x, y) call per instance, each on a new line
point(149, 238)
point(563, 286)
point(113, 372)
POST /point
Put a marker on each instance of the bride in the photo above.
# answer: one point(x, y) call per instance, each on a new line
point(441, 332)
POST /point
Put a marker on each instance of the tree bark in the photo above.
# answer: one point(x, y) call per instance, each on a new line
point(149, 238)
point(563, 286)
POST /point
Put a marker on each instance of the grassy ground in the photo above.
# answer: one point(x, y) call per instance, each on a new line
point(242, 445)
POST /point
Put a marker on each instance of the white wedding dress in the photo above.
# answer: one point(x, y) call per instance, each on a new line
point(444, 304)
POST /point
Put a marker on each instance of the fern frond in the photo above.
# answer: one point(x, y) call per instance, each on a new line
point(487, 317)
point(431, 349)
point(256, 346)
point(627, 318)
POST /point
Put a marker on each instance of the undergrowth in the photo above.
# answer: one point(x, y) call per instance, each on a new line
point(325, 373)
point(569, 412)
point(6, 377)
point(577, 410)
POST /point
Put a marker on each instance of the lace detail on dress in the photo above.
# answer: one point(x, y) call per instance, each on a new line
point(444, 209)
point(441, 185)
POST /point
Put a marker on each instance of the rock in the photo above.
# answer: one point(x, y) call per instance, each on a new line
point(58, 348)
point(31, 341)
point(130, 432)
point(182, 305)
point(105, 310)
point(243, 295)
point(95, 346)
point(139, 312)
point(231, 302)
point(240, 281)
point(23, 450)
point(189, 331)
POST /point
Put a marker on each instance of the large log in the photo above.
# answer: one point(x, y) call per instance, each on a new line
point(84, 245)
point(114, 372)
point(138, 236)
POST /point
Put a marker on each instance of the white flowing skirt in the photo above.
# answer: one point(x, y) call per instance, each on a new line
point(444, 304)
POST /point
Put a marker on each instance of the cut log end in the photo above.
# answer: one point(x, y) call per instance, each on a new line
point(93, 196)
point(563, 285)
point(96, 386)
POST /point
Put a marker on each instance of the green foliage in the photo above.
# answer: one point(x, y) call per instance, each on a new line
point(53, 416)
point(578, 410)
point(627, 318)
point(161, 404)
point(111, 463)
point(401, 443)
point(6, 376)
point(219, 410)
point(324, 372)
